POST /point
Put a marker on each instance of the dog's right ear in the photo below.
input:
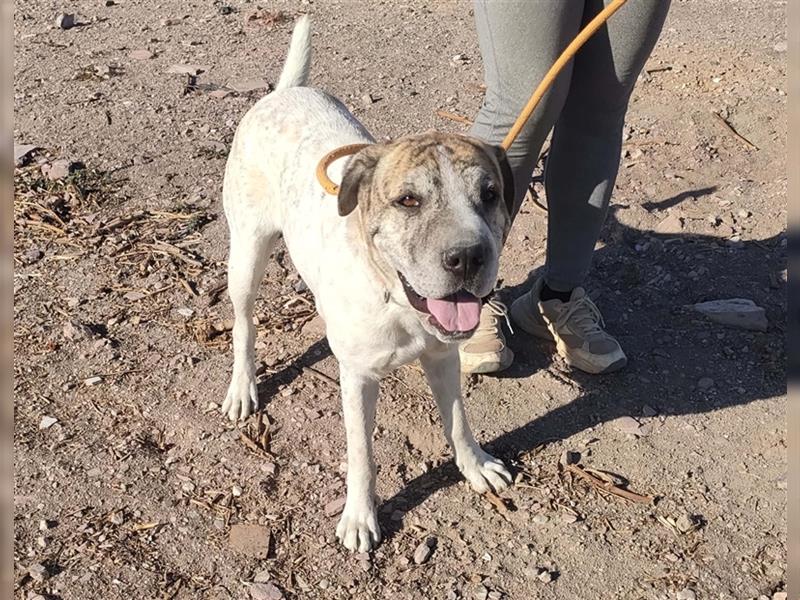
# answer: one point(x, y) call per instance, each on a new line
point(357, 176)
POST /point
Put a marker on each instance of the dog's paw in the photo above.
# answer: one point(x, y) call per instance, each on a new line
point(358, 529)
point(484, 472)
point(242, 397)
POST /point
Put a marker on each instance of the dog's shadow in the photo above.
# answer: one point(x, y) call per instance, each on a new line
point(667, 347)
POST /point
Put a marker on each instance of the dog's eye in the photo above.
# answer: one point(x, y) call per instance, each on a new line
point(407, 201)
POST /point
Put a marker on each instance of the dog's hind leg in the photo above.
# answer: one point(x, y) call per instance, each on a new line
point(482, 470)
point(249, 253)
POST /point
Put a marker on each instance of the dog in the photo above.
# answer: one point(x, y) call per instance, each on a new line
point(398, 263)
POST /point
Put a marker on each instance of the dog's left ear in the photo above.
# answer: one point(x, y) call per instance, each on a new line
point(357, 176)
point(509, 196)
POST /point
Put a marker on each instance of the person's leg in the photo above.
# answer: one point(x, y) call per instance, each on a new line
point(519, 41)
point(585, 151)
point(579, 178)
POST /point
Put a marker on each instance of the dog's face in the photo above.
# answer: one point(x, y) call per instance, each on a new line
point(437, 208)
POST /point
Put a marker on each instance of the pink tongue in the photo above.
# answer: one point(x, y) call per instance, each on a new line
point(458, 312)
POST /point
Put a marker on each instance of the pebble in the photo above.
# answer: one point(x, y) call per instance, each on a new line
point(545, 576)
point(38, 572)
point(705, 383)
point(265, 591)
point(568, 518)
point(368, 100)
point(685, 523)
point(495, 595)
point(334, 507)
point(569, 457)
point(629, 425)
point(47, 422)
point(424, 550)
point(58, 169)
point(187, 69)
point(22, 154)
point(481, 593)
point(243, 86)
point(117, 518)
point(736, 312)
point(45, 525)
point(686, 594)
point(300, 286)
point(671, 224)
point(780, 596)
point(262, 577)
point(65, 21)
point(92, 381)
point(250, 540)
point(541, 519)
point(142, 54)
point(236, 491)
point(781, 46)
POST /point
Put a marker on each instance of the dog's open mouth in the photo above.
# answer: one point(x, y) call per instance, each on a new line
point(456, 315)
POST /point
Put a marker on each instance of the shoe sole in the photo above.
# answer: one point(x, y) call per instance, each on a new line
point(520, 314)
point(477, 364)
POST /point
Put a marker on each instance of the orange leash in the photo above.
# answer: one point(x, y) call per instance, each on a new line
point(567, 55)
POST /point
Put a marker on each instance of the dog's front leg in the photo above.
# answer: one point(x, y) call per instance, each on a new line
point(481, 469)
point(358, 528)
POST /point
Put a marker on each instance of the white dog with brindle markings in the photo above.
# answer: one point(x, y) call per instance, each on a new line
point(397, 264)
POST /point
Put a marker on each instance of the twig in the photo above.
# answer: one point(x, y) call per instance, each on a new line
point(729, 128)
point(322, 376)
point(609, 487)
point(498, 503)
point(453, 117)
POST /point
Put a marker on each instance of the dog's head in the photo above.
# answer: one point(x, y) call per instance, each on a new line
point(437, 208)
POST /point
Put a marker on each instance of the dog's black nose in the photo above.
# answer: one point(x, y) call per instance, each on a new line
point(464, 260)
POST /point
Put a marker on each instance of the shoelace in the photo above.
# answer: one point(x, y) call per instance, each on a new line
point(587, 316)
point(498, 309)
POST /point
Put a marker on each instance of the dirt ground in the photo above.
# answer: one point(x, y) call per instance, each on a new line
point(129, 483)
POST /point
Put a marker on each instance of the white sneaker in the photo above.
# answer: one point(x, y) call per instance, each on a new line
point(486, 350)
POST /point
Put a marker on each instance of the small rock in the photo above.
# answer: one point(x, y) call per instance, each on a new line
point(219, 94)
point(185, 312)
point(671, 224)
point(47, 422)
point(117, 518)
point(648, 411)
point(334, 507)
point(300, 286)
point(250, 540)
point(75, 330)
point(568, 518)
point(187, 69)
point(45, 525)
point(142, 54)
point(495, 595)
point(58, 169)
point(236, 491)
point(22, 154)
point(541, 519)
point(545, 576)
point(262, 577)
point(780, 596)
point(244, 86)
point(92, 381)
point(38, 572)
point(736, 312)
point(569, 457)
point(781, 46)
point(686, 594)
point(65, 21)
point(481, 593)
point(629, 425)
point(705, 383)
point(33, 255)
point(685, 523)
point(265, 591)
point(424, 550)
point(368, 100)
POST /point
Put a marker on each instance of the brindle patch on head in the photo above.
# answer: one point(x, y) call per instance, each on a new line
point(457, 189)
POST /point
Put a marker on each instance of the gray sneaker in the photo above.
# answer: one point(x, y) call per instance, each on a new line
point(486, 350)
point(575, 326)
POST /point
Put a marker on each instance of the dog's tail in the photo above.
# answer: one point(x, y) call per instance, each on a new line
point(298, 61)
